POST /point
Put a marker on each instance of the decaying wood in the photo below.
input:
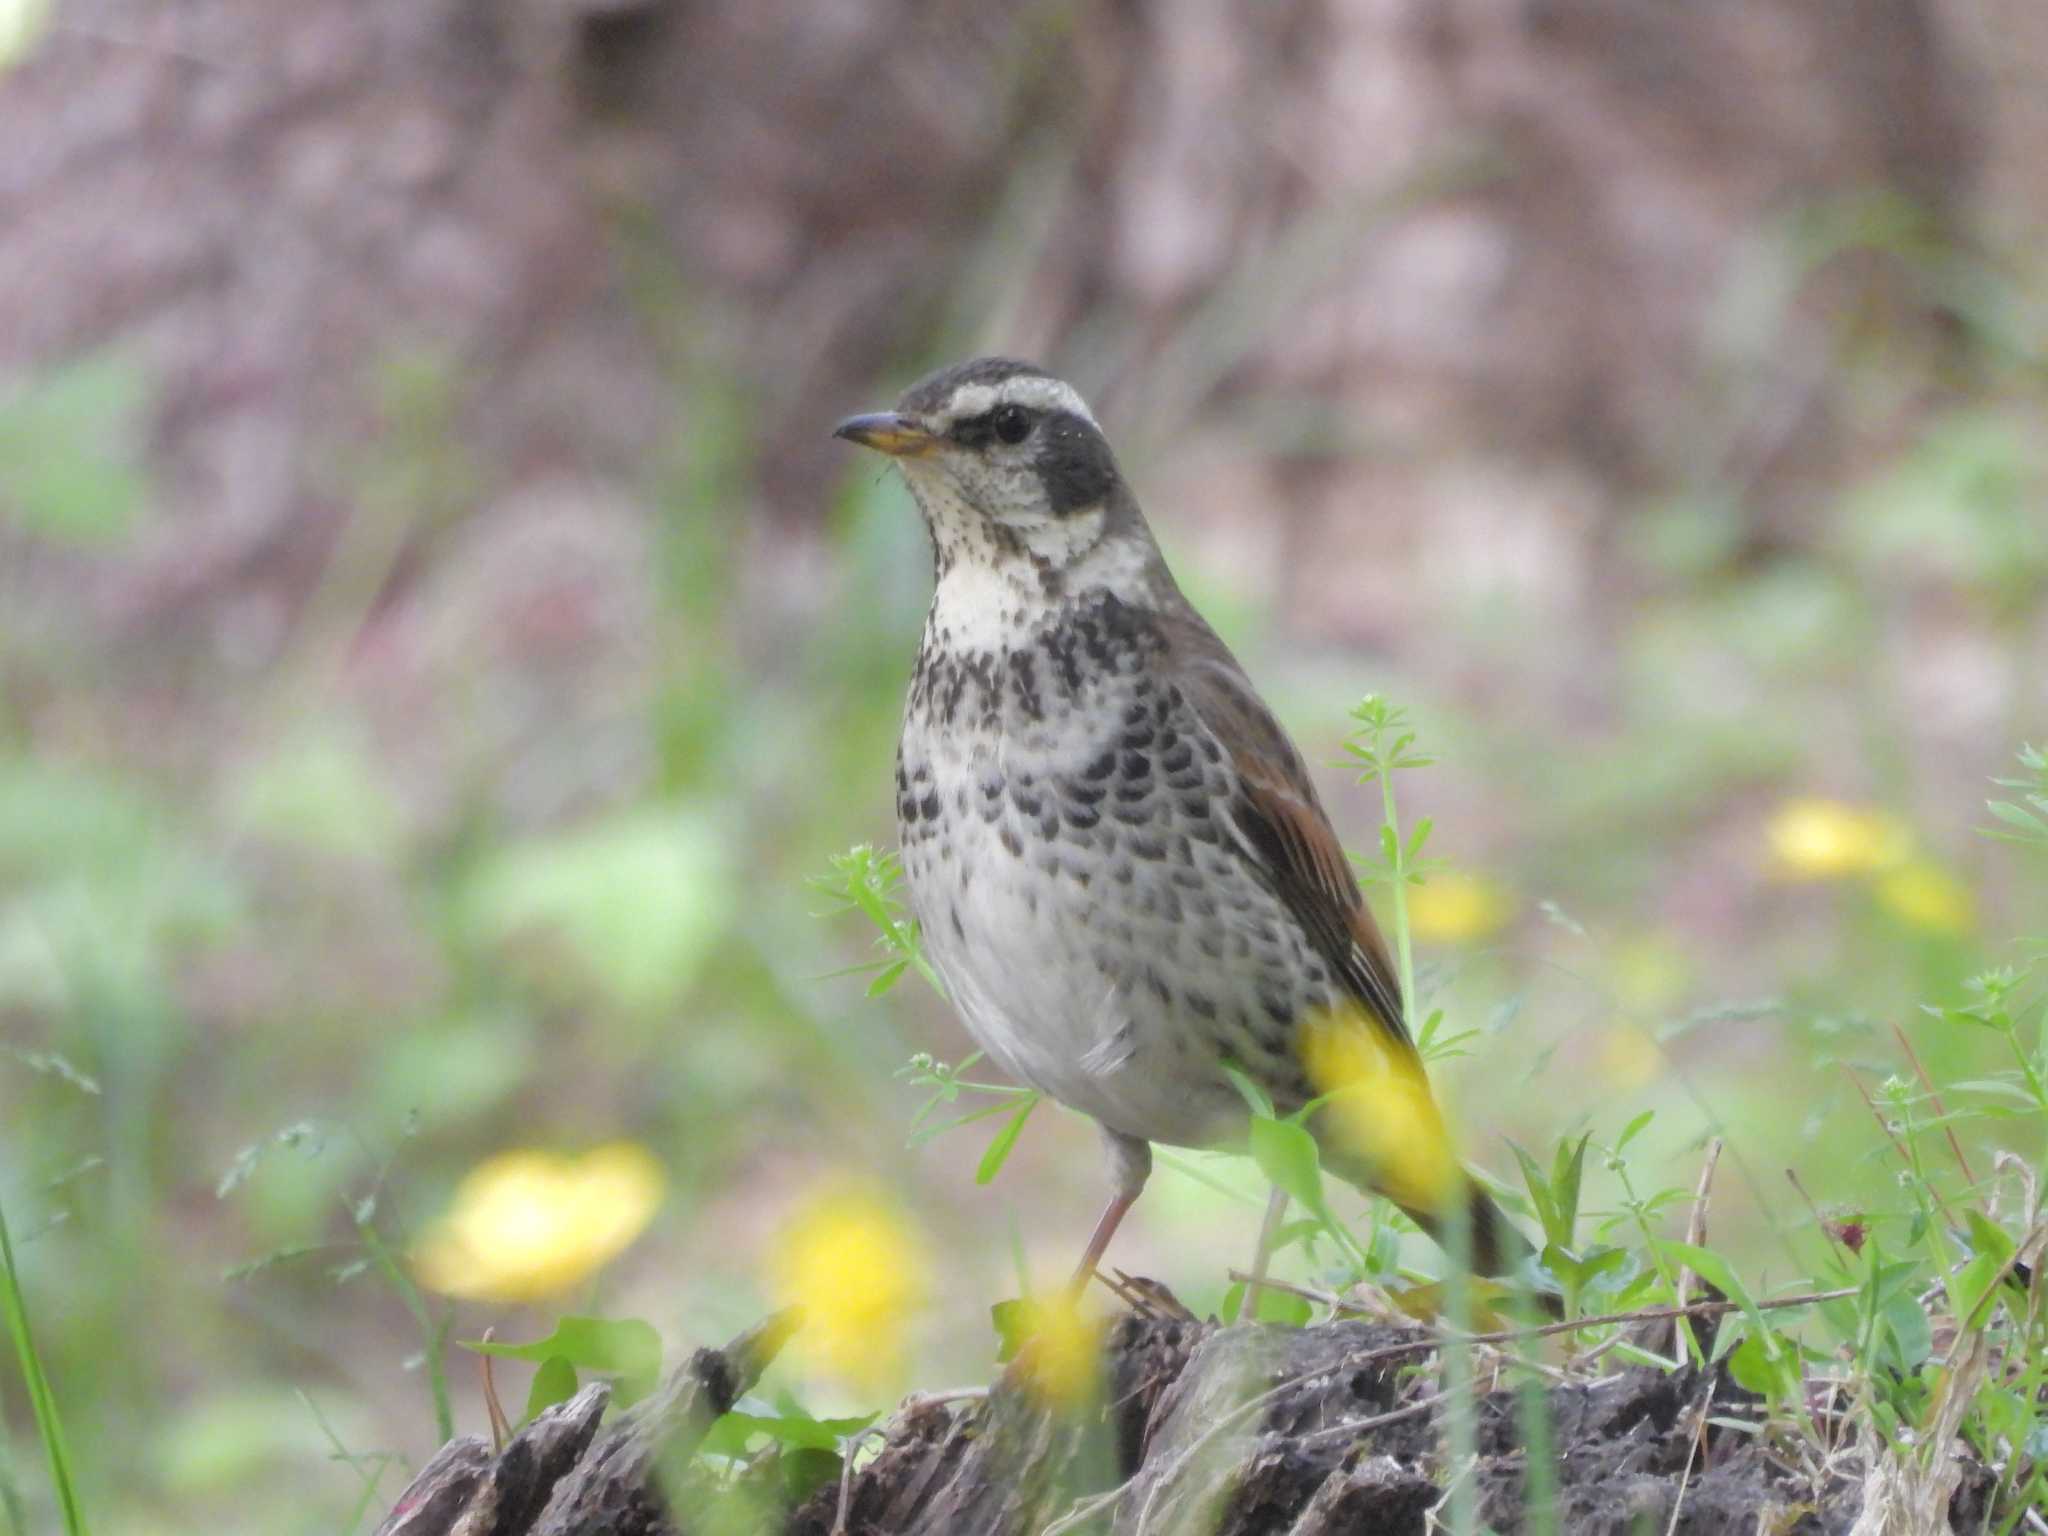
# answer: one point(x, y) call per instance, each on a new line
point(1225, 1431)
point(559, 1477)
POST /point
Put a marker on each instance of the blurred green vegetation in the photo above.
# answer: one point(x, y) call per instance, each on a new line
point(268, 993)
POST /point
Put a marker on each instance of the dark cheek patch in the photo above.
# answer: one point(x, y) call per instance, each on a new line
point(1074, 463)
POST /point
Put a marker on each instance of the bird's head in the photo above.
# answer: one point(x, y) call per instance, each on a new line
point(1009, 469)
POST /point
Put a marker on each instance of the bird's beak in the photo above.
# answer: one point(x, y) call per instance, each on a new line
point(887, 432)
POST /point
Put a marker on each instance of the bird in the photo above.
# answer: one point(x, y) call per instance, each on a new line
point(1118, 864)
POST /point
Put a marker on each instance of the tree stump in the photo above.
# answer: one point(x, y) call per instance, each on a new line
point(1247, 1430)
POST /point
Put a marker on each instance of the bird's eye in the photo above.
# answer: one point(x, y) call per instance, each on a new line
point(1012, 423)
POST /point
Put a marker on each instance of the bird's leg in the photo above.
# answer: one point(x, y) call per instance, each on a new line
point(1130, 1164)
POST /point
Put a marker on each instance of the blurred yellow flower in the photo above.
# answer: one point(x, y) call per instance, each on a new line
point(1816, 839)
point(858, 1269)
point(1061, 1359)
point(1627, 1057)
point(1452, 908)
point(1381, 1110)
point(528, 1225)
point(1923, 895)
point(1650, 972)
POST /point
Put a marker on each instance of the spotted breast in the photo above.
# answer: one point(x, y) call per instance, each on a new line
point(1073, 867)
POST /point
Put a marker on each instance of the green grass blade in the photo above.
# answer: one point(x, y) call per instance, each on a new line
point(42, 1402)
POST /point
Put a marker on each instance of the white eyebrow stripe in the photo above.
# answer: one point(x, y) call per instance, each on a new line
point(1045, 395)
point(970, 401)
point(1032, 390)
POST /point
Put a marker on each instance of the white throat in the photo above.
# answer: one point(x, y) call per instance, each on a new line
point(983, 605)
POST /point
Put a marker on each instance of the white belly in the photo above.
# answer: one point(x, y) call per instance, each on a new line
point(1075, 987)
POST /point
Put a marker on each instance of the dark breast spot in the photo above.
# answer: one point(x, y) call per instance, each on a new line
point(1024, 686)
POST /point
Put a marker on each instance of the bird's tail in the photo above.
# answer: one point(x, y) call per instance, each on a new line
point(1492, 1245)
point(1379, 1128)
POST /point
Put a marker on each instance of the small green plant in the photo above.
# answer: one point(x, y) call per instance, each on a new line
point(370, 1249)
point(865, 881)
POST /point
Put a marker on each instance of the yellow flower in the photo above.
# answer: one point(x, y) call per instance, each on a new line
point(1061, 1359)
point(528, 1225)
point(1451, 908)
point(1923, 895)
point(856, 1266)
point(1815, 839)
point(1649, 973)
point(1627, 1057)
point(1382, 1112)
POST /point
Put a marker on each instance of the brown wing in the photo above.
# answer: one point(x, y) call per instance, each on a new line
point(1283, 826)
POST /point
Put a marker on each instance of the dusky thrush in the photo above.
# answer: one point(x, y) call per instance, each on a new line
point(1119, 866)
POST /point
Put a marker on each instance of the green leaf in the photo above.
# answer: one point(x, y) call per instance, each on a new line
point(1904, 1321)
point(1286, 1154)
point(1418, 836)
point(1233, 1303)
point(1715, 1270)
point(729, 1436)
point(2025, 820)
point(1014, 1320)
point(1283, 1307)
point(1768, 1365)
point(553, 1382)
point(1567, 1169)
point(1575, 1270)
point(42, 1401)
point(921, 1134)
point(1634, 1128)
point(1991, 1248)
point(804, 1470)
point(1541, 1197)
point(999, 1146)
point(627, 1349)
point(1274, 1306)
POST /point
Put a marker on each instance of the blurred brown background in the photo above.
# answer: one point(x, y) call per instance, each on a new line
point(438, 636)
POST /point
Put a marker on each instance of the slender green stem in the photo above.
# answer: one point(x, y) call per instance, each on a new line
point(42, 1401)
point(1404, 948)
point(1642, 1225)
point(433, 1330)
